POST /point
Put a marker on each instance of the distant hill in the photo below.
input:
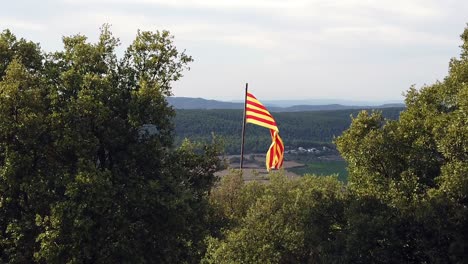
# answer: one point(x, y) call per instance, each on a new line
point(306, 129)
point(288, 103)
point(330, 107)
point(200, 103)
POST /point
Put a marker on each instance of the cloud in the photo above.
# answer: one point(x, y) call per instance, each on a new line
point(390, 35)
point(316, 47)
point(17, 24)
point(211, 4)
point(271, 24)
point(124, 25)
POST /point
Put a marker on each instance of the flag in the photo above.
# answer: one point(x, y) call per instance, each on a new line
point(256, 113)
point(275, 154)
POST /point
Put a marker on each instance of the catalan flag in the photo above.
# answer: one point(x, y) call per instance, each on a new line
point(256, 113)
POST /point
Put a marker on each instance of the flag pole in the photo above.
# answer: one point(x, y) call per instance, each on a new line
point(243, 127)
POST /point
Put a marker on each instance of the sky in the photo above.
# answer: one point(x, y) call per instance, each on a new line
point(360, 50)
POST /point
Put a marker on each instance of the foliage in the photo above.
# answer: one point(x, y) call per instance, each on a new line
point(87, 169)
point(412, 173)
point(286, 221)
point(297, 129)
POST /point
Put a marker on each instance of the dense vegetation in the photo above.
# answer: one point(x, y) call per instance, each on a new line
point(87, 169)
point(306, 129)
point(89, 174)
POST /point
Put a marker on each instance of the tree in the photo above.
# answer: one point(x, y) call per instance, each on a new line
point(285, 221)
point(412, 174)
point(88, 169)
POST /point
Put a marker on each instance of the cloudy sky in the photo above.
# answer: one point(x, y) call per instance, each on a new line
point(285, 49)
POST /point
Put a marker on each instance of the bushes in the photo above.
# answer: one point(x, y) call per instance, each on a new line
point(286, 221)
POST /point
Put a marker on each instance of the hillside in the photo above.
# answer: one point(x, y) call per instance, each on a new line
point(200, 103)
point(306, 129)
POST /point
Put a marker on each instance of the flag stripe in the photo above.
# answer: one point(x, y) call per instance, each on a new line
point(260, 106)
point(256, 113)
point(251, 95)
point(252, 121)
point(270, 159)
point(263, 111)
point(275, 155)
point(260, 119)
point(260, 116)
point(254, 101)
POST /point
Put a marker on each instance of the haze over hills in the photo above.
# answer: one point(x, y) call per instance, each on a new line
point(288, 103)
point(200, 103)
point(278, 106)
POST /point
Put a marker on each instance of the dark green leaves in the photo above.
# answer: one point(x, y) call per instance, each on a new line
point(81, 180)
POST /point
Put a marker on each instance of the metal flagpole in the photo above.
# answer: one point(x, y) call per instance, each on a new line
point(243, 127)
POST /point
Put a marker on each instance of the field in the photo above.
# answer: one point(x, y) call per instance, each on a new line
point(300, 131)
point(294, 166)
point(323, 168)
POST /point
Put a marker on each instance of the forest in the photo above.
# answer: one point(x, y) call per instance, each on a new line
point(90, 171)
point(297, 129)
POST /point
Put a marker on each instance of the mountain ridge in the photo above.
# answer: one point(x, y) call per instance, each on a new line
point(201, 103)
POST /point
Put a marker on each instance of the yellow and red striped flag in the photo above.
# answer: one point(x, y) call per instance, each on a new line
point(256, 113)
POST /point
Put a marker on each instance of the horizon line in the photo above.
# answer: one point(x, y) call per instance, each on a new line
point(295, 99)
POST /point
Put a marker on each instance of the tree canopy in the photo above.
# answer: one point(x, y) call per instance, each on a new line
point(416, 169)
point(298, 129)
point(88, 172)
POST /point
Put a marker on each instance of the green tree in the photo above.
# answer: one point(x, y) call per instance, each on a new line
point(409, 176)
point(87, 169)
point(285, 221)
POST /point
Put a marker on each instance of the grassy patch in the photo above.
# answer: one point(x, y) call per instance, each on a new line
point(324, 168)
